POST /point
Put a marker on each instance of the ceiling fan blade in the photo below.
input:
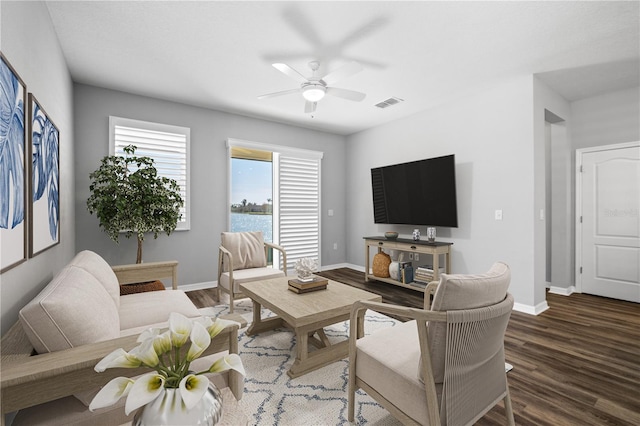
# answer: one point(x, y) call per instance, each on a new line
point(310, 107)
point(343, 72)
point(351, 95)
point(274, 94)
point(286, 69)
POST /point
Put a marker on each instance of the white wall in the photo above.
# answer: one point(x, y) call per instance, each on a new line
point(30, 44)
point(491, 135)
point(606, 119)
point(196, 250)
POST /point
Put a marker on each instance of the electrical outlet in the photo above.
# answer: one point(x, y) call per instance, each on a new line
point(498, 214)
point(335, 246)
point(416, 256)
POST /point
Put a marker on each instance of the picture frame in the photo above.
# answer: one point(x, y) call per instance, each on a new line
point(13, 171)
point(44, 180)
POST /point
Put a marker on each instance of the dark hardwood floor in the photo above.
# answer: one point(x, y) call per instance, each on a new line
point(578, 363)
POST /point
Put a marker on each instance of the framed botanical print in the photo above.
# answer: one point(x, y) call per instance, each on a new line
point(13, 176)
point(44, 154)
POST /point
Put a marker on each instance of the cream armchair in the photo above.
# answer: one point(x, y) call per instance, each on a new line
point(242, 258)
point(444, 367)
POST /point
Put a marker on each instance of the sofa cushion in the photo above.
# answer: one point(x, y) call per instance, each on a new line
point(387, 360)
point(247, 249)
point(248, 275)
point(72, 310)
point(100, 269)
point(456, 292)
point(145, 309)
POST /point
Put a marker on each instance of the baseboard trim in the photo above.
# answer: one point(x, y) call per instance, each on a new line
point(531, 310)
point(563, 291)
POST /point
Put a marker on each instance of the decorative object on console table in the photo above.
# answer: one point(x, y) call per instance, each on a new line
point(172, 394)
point(391, 235)
point(416, 234)
point(381, 262)
point(13, 226)
point(44, 152)
point(431, 234)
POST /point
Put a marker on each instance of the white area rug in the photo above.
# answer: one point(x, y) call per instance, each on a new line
point(317, 398)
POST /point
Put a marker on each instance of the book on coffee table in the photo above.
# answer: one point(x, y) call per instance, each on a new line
point(306, 290)
point(304, 285)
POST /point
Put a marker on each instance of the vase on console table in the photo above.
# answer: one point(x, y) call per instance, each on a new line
point(169, 409)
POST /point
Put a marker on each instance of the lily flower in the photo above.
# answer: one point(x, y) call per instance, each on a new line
point(147, 388)
point(200, 340)
point(228, 362)
point(117, 359)
point(111, 393)
point(217, 326)
point(146, 353)
point(192, 388)
point(161, 341)
point(180, 327)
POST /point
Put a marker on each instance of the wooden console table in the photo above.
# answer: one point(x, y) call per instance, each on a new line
point(434, 249)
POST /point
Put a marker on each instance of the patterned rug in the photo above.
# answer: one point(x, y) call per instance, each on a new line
point(316, 398)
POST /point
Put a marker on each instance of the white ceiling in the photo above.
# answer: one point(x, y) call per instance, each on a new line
point(218, 54)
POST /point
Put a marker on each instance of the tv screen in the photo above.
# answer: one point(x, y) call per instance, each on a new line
point(416, 193)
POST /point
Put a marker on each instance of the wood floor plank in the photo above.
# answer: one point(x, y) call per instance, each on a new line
point(578, 363)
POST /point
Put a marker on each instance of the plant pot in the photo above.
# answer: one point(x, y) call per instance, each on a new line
point(168, 409)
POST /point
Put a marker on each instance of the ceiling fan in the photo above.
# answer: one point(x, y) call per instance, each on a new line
point(314, 88)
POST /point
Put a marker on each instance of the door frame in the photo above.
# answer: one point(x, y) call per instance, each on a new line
point(578, 218)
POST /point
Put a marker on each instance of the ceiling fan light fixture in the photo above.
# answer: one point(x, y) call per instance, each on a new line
point(313, 92)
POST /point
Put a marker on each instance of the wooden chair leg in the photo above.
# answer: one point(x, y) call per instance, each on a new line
point(509, 409)
point(231, 300)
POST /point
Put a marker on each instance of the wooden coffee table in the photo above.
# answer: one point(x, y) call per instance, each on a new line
point(307, 314)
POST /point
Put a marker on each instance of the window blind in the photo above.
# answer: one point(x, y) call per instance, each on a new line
point(299, 207)
point(167, 145)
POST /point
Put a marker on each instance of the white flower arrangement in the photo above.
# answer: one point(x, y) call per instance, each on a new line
point(162, 352)
point(305, 267)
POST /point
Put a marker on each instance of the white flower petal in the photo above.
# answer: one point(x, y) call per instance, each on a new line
point(146, 353)
point(228, 362)
point(180, 327)
point(200, 340)
point(192, 388)
point(220, 324)
point(117, 359)
point(147, 388)
point(150, 333)
point(111, 393)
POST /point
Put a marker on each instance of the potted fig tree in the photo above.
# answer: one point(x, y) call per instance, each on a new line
point(129, 198)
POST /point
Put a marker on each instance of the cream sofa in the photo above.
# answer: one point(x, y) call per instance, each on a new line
point(77, 319)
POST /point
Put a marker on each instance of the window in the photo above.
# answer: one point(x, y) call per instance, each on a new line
point(295, 202)
point(167, 145)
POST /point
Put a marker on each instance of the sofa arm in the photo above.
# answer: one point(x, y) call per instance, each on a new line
point(41, 378)
point(142, 272)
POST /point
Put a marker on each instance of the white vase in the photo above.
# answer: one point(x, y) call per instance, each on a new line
point(168, 409)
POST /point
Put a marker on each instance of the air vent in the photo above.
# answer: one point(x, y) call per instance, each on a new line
point(389, 102)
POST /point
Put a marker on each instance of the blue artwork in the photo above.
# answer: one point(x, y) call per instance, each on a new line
point(12, 167)
point(44, 179)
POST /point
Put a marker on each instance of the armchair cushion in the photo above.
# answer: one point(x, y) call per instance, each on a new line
point(247, 249)
point(247, 275)
point(388, 364)
point(73, 310)
point(457, 292)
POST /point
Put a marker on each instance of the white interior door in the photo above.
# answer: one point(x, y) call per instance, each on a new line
point(610, 228)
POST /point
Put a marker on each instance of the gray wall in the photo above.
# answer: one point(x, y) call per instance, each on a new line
point(30, 44)
point(491, 135)
point(196, 250)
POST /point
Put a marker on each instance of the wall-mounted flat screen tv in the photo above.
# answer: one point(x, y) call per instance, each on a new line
point(419, 192)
